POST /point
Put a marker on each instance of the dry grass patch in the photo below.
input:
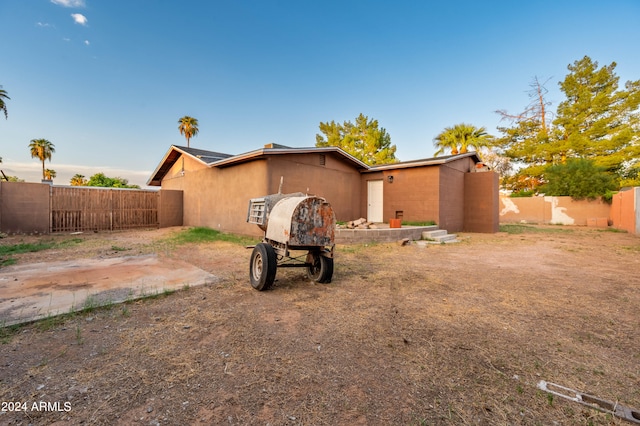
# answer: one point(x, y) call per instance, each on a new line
point(444, 334)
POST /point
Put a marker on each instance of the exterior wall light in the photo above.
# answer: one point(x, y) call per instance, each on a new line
point(390, 179)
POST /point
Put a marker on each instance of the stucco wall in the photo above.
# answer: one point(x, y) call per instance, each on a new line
point(437, 193)
point(412, 195)
point(481, 201)
point(24, 207)
point(175, 177)
point(451, 195)
point(636, 207)
point(170, 210)
point(625, 210)
point(218, 197)
point(337, 182)
point(554, 210)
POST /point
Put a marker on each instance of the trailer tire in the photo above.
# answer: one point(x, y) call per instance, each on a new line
point(321, 268)
point(262, 268)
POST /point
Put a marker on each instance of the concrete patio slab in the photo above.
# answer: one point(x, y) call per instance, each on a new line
point(35, 291)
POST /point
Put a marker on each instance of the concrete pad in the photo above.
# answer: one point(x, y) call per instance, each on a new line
point(35, 291)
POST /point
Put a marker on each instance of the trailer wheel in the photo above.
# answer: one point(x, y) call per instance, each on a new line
point(262, 268)
point(321, 268)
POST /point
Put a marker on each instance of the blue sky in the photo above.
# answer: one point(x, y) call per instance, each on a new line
point(107, 81)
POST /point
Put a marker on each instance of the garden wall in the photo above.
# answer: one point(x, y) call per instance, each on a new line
point(554, 210)
point(24, 208)
point(36, 208)
point(623, 212)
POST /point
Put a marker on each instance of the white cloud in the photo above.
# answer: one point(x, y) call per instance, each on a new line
point(69, 3)
point(86, 42)
point(42, 24)
point(79, 18)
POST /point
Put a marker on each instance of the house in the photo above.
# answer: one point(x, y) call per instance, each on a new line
point(217, 187)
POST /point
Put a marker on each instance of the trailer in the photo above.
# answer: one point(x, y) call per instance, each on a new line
point(298, 232)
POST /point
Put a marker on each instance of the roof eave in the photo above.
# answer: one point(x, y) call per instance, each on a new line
point(156, 180)
point(262, 152)
point(426, 162)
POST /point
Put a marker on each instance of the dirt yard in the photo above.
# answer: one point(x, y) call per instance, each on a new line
point(404, 335)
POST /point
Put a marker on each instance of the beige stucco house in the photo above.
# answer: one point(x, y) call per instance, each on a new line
point(217, 187)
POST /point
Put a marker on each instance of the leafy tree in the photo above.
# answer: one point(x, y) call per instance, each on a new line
point(42, 149)
point(101, 180)
point(599, 121)
point(529, 139)
point(364, 140)
point(78, 180)
point(188, 127)
point(460, 138)
point(49, 174)
point(523, 182)
point(579, 178)
point(3, 105)
point(630, 176)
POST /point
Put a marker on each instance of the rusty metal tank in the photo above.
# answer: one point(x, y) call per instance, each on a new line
point(297, 220)
point(302, 221)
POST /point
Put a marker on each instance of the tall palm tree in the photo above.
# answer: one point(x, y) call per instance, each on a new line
point(42, 149)
point(188, 127)
point(3, 106)
point(461, 137)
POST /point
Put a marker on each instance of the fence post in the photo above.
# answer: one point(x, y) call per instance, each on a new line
point(50, 209)
point(110, 209)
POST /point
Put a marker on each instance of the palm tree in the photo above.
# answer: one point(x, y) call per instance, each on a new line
point(188, 127)
point(49, 174)
point(78, 180)
point(464, 136)
point(445, 140)
point(42, 149)
point(3, 106)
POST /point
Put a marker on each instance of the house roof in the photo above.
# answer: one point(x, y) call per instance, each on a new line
point(273, 149)
point(175, 152)
point(423, 162)
point(220, 160)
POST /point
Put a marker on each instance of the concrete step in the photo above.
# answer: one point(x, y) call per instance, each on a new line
point(439, 236)
point(433, 234)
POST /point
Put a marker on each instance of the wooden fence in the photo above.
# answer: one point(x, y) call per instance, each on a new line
point(75, 209)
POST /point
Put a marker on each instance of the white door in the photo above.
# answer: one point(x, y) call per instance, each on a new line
point(374, 201)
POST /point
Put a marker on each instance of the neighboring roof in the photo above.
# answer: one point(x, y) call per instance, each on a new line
point(217, 159)
point(423, 162)
point(175, 152)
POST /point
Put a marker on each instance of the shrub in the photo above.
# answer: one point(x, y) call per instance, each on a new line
point(579, 179)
